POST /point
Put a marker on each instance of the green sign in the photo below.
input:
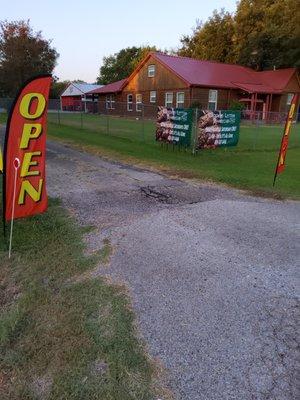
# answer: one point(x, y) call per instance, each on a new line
point(174, 125)
point(217, 128)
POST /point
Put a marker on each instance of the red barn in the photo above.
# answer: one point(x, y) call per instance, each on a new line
point(75, 98)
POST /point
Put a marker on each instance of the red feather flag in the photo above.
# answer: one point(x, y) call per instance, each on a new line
point(285, 138)
point(24, 181)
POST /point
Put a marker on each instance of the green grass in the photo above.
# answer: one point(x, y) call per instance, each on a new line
point(64, 334)
point(136, 129)
point(250, 165)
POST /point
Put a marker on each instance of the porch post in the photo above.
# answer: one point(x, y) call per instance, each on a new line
point(255, 104)
point(228, 97)
point(190, 95)
point(270, 107)
point(267, 107)
point(251, 106)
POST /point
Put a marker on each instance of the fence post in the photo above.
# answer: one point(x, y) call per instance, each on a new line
point(195, 119)
point(296, 134)
point(143, 122)
point(58, 116)
point(107, 119)
point(81, 120)
point(256, 135)
point(257, 125)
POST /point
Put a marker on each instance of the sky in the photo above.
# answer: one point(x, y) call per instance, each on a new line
point(85, 31)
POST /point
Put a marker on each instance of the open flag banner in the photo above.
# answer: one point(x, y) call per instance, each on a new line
point(24, 181)
point(285, 138)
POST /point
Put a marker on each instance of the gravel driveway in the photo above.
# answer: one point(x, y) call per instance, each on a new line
point(212, 273)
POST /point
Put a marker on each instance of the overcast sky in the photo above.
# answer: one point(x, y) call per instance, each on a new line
point(84, 31)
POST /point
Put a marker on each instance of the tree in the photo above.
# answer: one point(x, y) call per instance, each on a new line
point(212, 40)
point(262, 34)
point(57, 88)
point(267, 33)
point(23, 54)
point(120, 65)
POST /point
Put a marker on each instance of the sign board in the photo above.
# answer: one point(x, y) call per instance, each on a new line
point(174, 125)
point(217, 128)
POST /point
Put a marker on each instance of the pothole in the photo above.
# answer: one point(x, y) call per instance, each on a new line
point(150, 191)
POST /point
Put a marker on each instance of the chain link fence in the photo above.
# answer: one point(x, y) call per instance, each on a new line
point(265, 118)
point(137, 122)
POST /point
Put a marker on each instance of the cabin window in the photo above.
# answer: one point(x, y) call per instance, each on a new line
point(180, 99)
point(212, 100)
point(110, 102)
point(129, 102)
point(139, 100)
point(151, 70)
point(169, 100)
point(153, 96)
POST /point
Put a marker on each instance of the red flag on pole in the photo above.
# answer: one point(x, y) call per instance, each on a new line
point(285, 138)
point(25, 143)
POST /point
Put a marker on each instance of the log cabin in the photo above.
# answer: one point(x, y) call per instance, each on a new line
point(175, 81)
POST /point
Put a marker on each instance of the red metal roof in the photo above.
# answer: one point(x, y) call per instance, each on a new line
point(220, 75)
point(113, 87)
point(278, 79)
point(256, 88)
point(213, 75)
point(205, 73)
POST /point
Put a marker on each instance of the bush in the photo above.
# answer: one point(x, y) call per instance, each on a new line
point(236, 105)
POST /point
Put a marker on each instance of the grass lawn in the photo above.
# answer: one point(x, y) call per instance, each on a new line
point(64, 337)
point(250, 165)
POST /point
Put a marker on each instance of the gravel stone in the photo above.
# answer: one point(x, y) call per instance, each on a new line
point(213, 273)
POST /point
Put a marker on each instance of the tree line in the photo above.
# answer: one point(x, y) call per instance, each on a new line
point(261, 34)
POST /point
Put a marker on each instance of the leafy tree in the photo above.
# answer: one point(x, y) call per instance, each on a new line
point(57, 88)
point(23, 54)
point(261, 34)
point(120, 65)
point(212, 40)
point(267, 33)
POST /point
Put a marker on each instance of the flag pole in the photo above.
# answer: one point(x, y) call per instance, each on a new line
point(16, 167)
point(276, 170)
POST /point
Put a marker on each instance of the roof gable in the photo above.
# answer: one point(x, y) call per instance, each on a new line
point(278, 79)
point(78, 89)
point(144, 61)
